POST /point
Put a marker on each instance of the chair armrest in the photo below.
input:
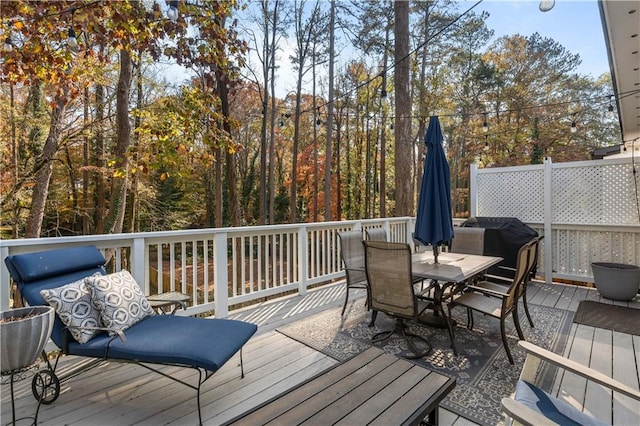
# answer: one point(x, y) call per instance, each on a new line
point(492, 277)
point(118, 332)
point(488, 291)
point(579, 369)
point(523, 414)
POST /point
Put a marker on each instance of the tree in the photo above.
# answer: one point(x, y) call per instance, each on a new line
point(404, 191)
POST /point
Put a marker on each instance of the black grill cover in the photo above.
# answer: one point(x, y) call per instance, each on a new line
point(503, 237)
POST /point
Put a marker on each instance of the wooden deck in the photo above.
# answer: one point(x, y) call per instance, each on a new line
point(126, 394)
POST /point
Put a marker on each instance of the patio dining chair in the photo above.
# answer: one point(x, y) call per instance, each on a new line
point(501, 304)
point(468, 240)
point(376, 234)
point(494, 283)
point(389, 274)
point(352, 253)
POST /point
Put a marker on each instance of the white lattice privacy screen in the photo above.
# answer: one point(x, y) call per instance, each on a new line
point(588, 211)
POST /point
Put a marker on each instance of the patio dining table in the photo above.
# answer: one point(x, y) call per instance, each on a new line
point(452, 271)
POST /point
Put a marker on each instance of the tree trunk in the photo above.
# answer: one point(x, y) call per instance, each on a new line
point(117, 208)
point(100, 163)
point(328, 216)
point(234, 206)
point(85, 162)
point(133, 202)
point(404, 193)
point(44, 169)
point(219, 201)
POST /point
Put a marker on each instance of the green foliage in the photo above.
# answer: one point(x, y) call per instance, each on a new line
point(527, 86)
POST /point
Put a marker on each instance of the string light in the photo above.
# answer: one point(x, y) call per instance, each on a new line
point(172, 12)
point(8, 44)
point(72, 41)
point(610, 108)
point(546, 5)
point(485, 125)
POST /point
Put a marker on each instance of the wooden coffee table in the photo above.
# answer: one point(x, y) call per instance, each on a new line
point(374, 387)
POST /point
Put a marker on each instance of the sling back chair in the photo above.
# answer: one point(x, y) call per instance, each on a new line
point(352, 253)
point(501, 304)
point(389, 274)
point(468, 240)
point(493, 283)
point(376, 234)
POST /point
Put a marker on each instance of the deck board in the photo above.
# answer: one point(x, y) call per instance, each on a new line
point(126, 394)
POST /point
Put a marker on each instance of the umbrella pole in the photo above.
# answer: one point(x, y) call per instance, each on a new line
point(435, 253)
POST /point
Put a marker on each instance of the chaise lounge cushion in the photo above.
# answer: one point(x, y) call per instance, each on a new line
point(551, 407)
point(119, 299)
point(171, 339)
point(34, 272)
point(74, 306)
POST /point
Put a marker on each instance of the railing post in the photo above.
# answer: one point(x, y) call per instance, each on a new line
point(548, 218)
point(4, 279)
point(221, 275)
point(303, 260)
point(139, 263)
point(387, 228)
point(410, 225)
point(473, 190)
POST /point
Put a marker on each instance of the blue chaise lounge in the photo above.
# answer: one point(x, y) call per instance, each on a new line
point(202, 344)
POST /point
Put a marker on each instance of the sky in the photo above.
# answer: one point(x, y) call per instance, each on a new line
point(575, 24)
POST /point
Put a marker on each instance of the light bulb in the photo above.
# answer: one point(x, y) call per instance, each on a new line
point(485, 125)
point(173, 13)
point(383, 94)
point(72, 42)
point(8, 45)
point(546, 5)
point(573, 127)
point(610, 111)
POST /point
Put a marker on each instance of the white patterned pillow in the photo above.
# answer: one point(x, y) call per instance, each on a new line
point(120, 300)
point(74, 305)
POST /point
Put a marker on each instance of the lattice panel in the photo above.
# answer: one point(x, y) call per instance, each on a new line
point(596, 194)
point(574, 250)
point(518, 193)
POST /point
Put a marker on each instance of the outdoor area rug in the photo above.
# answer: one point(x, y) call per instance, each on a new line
point(484, 375)
point(611, 317)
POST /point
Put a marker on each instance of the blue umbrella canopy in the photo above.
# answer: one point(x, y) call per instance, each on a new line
point(434, 223)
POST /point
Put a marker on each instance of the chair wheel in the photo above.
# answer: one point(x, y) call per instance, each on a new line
point(45, 386)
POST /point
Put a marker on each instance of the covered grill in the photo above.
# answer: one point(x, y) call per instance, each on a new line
point(503, 237)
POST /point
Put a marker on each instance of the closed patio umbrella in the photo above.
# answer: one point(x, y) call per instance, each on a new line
point(434, 223)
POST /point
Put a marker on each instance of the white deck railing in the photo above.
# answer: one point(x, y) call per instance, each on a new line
point(587, 211)
point(220, 268)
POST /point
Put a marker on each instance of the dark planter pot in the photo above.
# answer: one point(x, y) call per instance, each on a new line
point(616, 281)
point(24, 336)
